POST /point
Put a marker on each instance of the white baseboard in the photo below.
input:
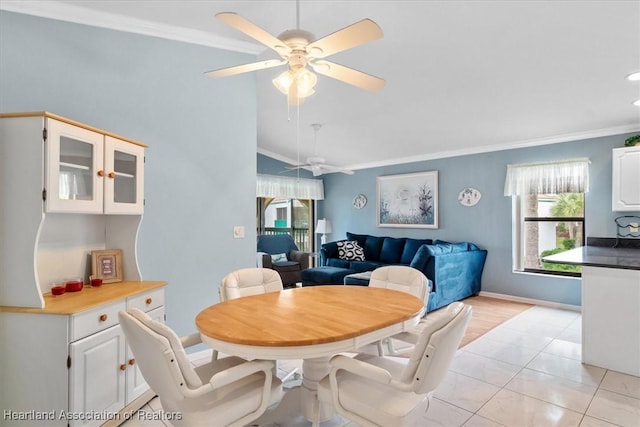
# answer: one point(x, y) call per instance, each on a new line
point(532, 301)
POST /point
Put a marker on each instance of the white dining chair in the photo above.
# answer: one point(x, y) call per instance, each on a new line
point(252, 281)
point(249, 281)
point(404, 279)
point(395, 391)
point(227, 392)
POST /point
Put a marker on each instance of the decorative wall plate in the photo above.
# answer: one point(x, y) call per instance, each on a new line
point(469, 197)
point(359, 201)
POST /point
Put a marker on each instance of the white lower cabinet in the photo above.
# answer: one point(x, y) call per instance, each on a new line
point(103, 376)
point(97, 383)
point(72, 367)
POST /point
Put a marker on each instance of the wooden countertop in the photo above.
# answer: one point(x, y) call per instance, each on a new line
point(71, 122)
point(88, 297)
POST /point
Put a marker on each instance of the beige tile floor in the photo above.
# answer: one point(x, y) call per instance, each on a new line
point(526, 372)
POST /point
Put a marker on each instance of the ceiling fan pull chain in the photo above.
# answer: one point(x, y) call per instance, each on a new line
point(298, 138)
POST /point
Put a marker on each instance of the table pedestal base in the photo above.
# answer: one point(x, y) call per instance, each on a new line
point(301, 399)
point(313, 370)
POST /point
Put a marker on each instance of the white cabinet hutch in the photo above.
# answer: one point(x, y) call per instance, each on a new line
point(67, 189)
point(626, 179)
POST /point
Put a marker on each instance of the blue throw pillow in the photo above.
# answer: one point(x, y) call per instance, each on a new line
point(411, 246)
point(360, 238)
point(391, 250)
point(372, 247)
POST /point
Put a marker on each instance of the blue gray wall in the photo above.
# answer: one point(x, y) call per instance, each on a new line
point(488, 224)
point(201, 161)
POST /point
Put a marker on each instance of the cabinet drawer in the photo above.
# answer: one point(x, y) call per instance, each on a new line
point(147, 301)
point(95, 320)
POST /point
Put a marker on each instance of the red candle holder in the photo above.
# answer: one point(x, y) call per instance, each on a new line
point(74, 285)
point(58, 289)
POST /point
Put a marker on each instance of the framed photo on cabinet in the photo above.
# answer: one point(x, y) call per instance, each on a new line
point(107, 264)
point(408, 200)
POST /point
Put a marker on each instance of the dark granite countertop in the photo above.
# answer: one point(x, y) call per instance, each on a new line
point(599, 256)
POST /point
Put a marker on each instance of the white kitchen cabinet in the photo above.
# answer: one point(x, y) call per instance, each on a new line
point(56, 206)
point(611, 319)
point(71, 359)
point(626, 179)
point(97, 375)
point(64, 358)
point(90, 172)
point(103, 375)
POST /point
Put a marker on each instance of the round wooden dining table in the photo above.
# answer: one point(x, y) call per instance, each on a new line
point(310, 323)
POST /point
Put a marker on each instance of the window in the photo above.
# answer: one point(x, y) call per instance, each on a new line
point(548, 213)
point(286, 216)
point(287, 205)
point(550, 223)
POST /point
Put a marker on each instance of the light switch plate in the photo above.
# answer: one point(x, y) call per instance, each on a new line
point(238, 232)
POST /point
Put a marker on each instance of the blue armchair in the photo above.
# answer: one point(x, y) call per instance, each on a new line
point(280, 253)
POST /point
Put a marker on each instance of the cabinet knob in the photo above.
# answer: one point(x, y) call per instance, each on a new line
point(148, 301)
point(100, 172)
point(132, 362)
point(123, 367)
point(111, 175)
point(103, 317)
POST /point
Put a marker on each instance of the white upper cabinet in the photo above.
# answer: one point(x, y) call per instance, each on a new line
point(124, 177)
point(626, 179)
point(88, 172)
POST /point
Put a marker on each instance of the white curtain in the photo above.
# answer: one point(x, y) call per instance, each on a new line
point(566, 176)
point(289, 187)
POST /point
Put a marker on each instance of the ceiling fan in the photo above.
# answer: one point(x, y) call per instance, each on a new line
point(298, 49)
point(317, 164)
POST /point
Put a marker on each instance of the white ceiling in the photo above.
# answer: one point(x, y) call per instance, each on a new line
point(462, 76)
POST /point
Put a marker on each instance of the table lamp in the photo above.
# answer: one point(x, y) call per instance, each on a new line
point(323, 227)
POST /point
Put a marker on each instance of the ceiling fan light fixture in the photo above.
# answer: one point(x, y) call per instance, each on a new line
point(305, 81)
point(283, 81)
point(634, 77)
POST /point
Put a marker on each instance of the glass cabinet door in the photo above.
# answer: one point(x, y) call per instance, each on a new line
point(74, 157)
point(124, 172)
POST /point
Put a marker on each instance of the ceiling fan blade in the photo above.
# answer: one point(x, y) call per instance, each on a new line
point(245, 68)
point(354, 35)
point(253, 31)
point(332, 169)
point(348, 75)
point(346, 171)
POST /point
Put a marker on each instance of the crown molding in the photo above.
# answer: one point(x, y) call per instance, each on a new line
point(276, 156)
point(80, 15)
point(597, 133)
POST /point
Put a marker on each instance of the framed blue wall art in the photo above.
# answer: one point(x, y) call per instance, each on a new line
point(408, 200)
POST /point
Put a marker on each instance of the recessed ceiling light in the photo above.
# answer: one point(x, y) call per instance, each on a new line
point(634, 77)
point(637, 103)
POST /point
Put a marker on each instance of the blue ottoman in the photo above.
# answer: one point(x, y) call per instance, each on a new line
point(324, 275)
point(361, 279)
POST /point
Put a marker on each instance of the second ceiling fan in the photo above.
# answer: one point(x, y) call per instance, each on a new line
point(316, 164)
point(297, 48)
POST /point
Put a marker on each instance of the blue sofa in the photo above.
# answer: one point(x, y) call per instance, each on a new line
point(455, 269)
